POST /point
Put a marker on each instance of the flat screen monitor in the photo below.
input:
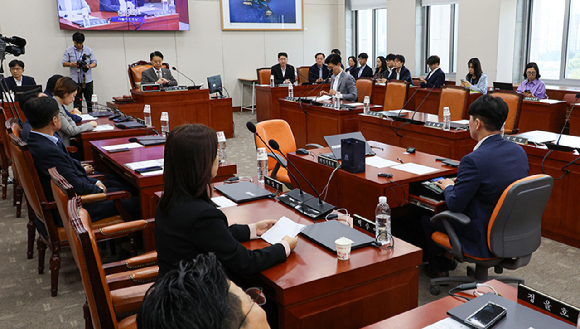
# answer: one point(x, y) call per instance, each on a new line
point(19, 90)
point(125, 15)
point(215, 84)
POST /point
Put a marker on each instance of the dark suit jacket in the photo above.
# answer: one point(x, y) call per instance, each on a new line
point(114, 5)
point(276, 71)
point(482, 177)
point(149, 76)
point(313, 72)
point(193, 226)
point(366, 73)
point(436, 79)
point(26, 81)
point(404, 75)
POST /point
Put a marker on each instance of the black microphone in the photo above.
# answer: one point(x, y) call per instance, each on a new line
point(175, 69)
point(414, 112)
point(300, 195)
point(310, 207)
point(567, 118)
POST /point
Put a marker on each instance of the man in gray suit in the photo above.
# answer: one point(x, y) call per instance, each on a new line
point(341, 83)
point(157, 74)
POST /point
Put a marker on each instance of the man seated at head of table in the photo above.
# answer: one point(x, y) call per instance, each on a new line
point(436, 77)
point(283, 72)
point(17, 79)
point(48, 151)
point(187, 221)
point(319, 71)
point(532, 86)
point(341, 83)
point(157, 74)
point(198, 294)
point(482, 177)
point(116, 5)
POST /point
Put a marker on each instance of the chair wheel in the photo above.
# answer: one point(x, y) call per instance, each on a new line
point(434, 290)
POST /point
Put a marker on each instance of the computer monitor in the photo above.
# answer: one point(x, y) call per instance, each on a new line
point(503, 86)
point(19, 90)
point(215, 84)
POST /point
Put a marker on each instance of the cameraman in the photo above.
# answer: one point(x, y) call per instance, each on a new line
point(81, 61)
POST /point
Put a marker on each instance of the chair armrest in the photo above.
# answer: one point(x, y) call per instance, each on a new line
point(87, 162)
point(71, 149)
point(447, 216)
point(318, 146)
point(280, 159)
point(99, 197)
point(102, 178)
point(133, 278)
point(457, 216)
point(145, 260)
point(119, 230)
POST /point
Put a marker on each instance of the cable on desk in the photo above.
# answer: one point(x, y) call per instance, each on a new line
point(325, 189)
point(566, 171)
point(404, 193)
point(468, 286)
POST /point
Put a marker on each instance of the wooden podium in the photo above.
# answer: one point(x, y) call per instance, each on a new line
point(186, 106)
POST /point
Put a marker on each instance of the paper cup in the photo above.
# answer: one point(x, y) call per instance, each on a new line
point(343, 246)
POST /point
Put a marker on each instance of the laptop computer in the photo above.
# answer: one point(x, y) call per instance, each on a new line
point(151, 140)
point(334, 142)
point(243, 192)
point(503, 86)
point(19, 90)
point(325, 233)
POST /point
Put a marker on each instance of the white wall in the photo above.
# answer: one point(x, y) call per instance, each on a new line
point(401, 30)
point(203, 51)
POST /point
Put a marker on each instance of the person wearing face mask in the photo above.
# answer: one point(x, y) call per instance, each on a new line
point(157, 74)
point(65, 92)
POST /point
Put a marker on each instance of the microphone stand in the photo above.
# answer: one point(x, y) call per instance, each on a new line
point(414, 112)
point(175, 69)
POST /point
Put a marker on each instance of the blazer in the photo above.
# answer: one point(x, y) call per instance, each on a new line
point(436, 79)
point(149, 76)
point(366, 73)
point(193, 226)
point(346, 86)
point(26, 81)
point(482, 177)
point(69, 127)
point(276, 71)
point(480, 86)
point(404, 75)
point(313, 72)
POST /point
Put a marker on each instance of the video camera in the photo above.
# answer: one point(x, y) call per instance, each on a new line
point(14, 46)
point(82, 64)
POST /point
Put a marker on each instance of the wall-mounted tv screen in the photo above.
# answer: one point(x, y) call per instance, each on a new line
point(136, 15)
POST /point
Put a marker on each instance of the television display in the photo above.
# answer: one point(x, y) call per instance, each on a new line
point(149, 15)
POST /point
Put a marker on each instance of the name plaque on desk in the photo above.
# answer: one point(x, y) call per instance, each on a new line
point(516, 139)
point(550, 304)
point(176, 88)
point(436, 125)
point(150, 88)
point(375, 114)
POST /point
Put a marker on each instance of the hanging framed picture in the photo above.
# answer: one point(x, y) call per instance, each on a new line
point(262, 15)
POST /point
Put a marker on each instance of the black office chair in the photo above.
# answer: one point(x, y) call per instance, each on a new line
point(513, 234)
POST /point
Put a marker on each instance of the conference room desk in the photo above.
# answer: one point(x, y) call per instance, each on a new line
point(167, 22)
point(359, 193)
point(546, 115)
point(267, 106)
point(453, 144)
point(185, 106)
point(575, 121)
point(87, 137)
point(321, 121)
point(146, 184)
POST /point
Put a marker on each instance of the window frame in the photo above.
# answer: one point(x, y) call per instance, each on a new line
point(374, 15)
point(452, 37)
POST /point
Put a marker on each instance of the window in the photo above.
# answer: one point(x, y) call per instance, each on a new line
point(380, 33)
point(441, 39)
point(371, 33)
point(554, 39)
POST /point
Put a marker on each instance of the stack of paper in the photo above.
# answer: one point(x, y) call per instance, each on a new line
point(121, 146)
point(379, 162)
point(87, 117)
point(284, 226)
point(144, 164)
point(104, 127)
point(414, 168)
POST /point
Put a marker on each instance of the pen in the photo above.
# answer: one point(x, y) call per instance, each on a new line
point(401, 161)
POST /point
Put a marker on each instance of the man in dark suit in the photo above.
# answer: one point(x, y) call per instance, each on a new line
point(17, 79)
point(319, 71)
point(482, 177)
point(157, 74)
point(436, 76)
point(363, 71)
point(48, 151)
point(400, 71)
point(283, 72)
point(115, 5)
point(341, 83)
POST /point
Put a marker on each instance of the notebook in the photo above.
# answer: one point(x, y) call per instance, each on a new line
point(243, 192)
point(325, 233)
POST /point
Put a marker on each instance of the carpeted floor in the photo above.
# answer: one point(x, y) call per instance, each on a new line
point(25, 300)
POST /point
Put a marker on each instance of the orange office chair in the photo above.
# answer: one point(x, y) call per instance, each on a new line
point(364, 87)
point(395, 95)
point(514, 103)
point(303, 73)
point(280, 131)
point(136, 69)
point(513, 234)
point(264, 75)
point(456, 99)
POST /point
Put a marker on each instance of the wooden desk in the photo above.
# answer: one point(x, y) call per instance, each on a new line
point(427, 102)
point(86, 138)
point(320, 121)
point(575, 121)
point(189, 106)
point(359, 193)
point(546, 114)
point(267, 106)
point(451, 144)
point(167, 22)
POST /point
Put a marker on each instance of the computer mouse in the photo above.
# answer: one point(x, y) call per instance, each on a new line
point(301, 152)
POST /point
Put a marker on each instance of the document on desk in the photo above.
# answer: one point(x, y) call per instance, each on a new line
point(144, 164)
point(379, 162)
point(104, 127)
point(122, 146)
point(87, 117)
point(323, 98)
point(461, 122)
point(414, 168)
point(447, 323)
point(223, 202)
point(538, 136)
point(284, 226)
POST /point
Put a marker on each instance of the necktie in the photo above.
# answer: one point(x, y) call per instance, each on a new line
point(159, 74)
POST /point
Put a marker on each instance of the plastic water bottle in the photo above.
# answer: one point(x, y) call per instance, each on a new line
point(164, 124)
point(147, 115)
point(262, 156)
point(336, 101)
point(94, 102)
point(502, 129)
point(446, 119)
point(221, 146)
point(383, 224)
point(165, 6)
point(172, 6)
point(272, 84)
point(367, 102)
point(290, 90)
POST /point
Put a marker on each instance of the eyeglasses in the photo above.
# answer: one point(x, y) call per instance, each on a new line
point(257, 297)
point(531, 72)
point(15, 68)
